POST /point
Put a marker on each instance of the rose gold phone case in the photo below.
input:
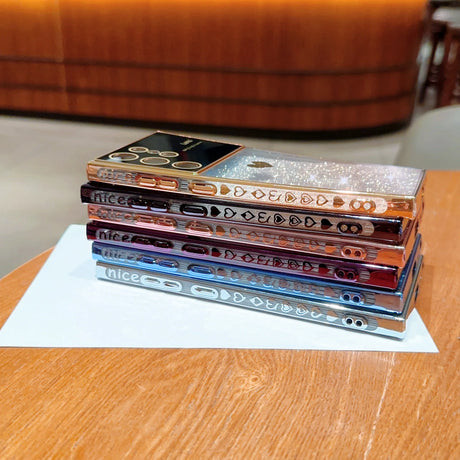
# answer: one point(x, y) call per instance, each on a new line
point(200, 167)
point(278, 239)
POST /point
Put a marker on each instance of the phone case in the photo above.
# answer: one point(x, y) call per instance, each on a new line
point(308, 310)
point(282, 240)
point(271, 282)
point(201, 167)
point(383, 230)
point(247, 255)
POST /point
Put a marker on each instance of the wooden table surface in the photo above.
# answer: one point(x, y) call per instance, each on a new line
point(155, 403)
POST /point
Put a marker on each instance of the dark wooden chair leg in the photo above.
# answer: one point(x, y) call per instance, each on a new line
point(449, 66)
point(437, 36)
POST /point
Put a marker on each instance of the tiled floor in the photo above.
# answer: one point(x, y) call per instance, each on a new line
point(44, 165)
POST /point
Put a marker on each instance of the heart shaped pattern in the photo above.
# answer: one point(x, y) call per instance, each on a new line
point(229, 213)
point(220, 231)
point(234, 233)
point(277, 262)
point(253, 236)
point(309, 222)
point(279, 219)
point(293, 265)
point(238, 298)
point(330, 249)
point(306, 198)
point(239, 191)
point(321, 200)
point(325, 224)
point(224, 189)
point(253, 279)
point(290, 197)
point(214, 211)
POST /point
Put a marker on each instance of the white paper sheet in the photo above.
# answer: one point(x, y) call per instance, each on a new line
point(66, 306)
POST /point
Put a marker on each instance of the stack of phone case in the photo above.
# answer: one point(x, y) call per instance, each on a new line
point(335, 243)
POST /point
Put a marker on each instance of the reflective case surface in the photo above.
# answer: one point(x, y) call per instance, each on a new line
point(310, 310)
point(384, 230)
point(182, 164)
point(248, 255)
point(257, 235)
point(271, 282)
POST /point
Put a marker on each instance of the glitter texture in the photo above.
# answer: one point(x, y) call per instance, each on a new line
point(254, 165)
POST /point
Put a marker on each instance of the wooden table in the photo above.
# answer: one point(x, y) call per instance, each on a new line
point(136, 403)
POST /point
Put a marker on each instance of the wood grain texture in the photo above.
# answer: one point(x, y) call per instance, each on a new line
point(30, 29)
point(327, 90)
point(127, 403)
point(27, 99)
point(285, 35)
point(219, 63)
point(247, 115)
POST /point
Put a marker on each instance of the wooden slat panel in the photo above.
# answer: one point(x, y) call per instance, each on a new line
point(303, 52)
point(243, 115)
point(240, 86)
point(30, 28)
point(311, 35)
point(32, 74)
point(34, 100)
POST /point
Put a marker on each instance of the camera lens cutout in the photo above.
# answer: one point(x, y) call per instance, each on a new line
point(155, 161)
point(123, 156)
point(187, 165)
point(138, 149)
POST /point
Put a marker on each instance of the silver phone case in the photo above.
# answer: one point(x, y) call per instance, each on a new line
point(327, 313)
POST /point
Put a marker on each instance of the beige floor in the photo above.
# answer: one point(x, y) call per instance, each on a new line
point(44, 165)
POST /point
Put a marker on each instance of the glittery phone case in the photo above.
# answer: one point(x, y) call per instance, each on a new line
point(277, 239)
point(380, 229)
point(327, 313)
point(248, 255)
point(200, 167)
point(272, 282)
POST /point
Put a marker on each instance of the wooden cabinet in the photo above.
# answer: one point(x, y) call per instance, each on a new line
point(269, 64)
point(32, 75)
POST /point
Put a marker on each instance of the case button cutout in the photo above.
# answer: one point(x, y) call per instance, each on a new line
point(345, 274)
point(350, 228)
point(170, 265)
point(163, 244)
point(205, 292)
point(167, 184)
point(194, 249)
point(193, 210)
point(201, 188)
point(353, 252)
point(198, 228)
point(145, 181)
point(200, 270)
